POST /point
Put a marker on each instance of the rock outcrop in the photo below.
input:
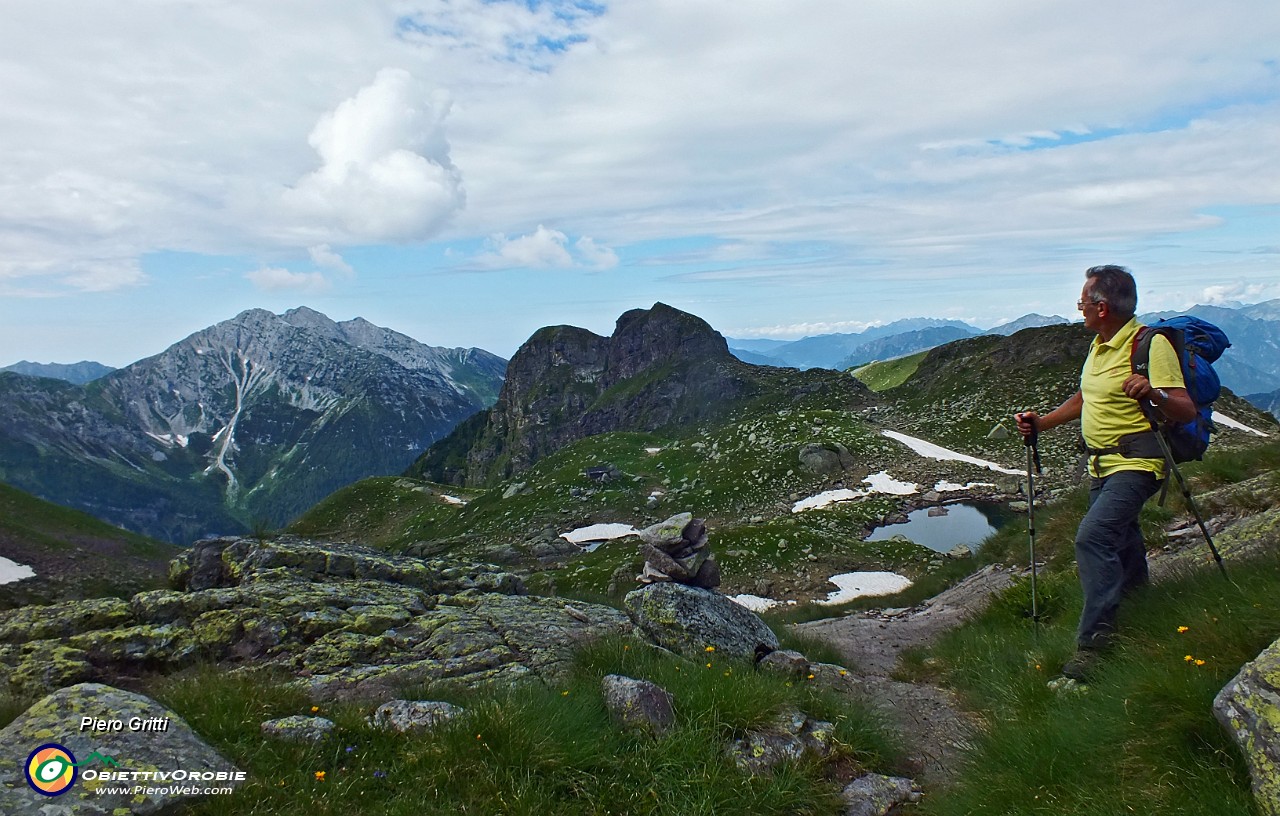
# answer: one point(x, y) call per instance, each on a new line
point(690, 620)
point(345, 620)
point(160, 744)
point(1249, 708)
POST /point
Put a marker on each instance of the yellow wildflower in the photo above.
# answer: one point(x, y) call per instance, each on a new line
point(1182, 629)
point(1199, 662)
point(1188, 658)
point(319, 776)
point(711, 648)
point(315, 709)
point(811, 677)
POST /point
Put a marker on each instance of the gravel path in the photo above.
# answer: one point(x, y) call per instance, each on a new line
point(933, 726)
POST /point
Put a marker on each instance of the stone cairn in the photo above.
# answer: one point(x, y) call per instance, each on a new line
point(676, 550)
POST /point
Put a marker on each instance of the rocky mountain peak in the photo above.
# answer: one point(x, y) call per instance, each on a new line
point(257, 416)
point(304, 317)
point(660, 367)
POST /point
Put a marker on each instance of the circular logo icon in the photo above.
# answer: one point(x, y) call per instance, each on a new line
point(51, 770)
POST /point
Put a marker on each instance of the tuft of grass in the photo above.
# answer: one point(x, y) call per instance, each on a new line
point(1142, 737)
point(532, 749)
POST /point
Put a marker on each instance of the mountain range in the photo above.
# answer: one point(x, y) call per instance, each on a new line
point(1251, 366)
point(841, 351)
point(79, 373)
point(244, 424)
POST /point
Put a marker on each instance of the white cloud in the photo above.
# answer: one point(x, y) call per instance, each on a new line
point(323, 256)
point(276, 279)
point(385, 172)
point(1238, 292)
point(545, 249)
point(595, 255)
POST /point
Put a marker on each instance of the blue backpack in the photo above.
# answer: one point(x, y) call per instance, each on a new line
point(1198, 344)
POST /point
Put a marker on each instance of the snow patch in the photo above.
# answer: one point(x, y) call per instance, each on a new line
point(932, 451)
point(757, 604)
point(826, 497)
point(598, 532)
point(11, 571)
point(880, 482)
point(859, 584)
point(1222, 419)
point(652, 451)
point(452, 499)
point(950, 487)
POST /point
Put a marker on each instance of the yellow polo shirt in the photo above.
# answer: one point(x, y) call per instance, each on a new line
point(1107, 413)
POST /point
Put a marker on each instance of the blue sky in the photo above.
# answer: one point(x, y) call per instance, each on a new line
point(468, 171)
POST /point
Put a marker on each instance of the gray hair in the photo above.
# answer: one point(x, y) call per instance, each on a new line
point(1115, 286)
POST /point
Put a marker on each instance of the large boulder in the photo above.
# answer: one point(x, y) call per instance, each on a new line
point(690, 620)
point(125, 733)
point(826, 458)
point(638, 704)
point(1249, 708)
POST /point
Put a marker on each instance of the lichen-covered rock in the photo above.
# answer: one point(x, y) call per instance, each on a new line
point(227, 562)
point(666, 533)
point(638, 704)
point(62, 620)
point(137, 734)
point(344, 619)
point(404, 716)
point(792, 736)
point(688, 619)
point(471, 642)
point(1249, 708)
point(46, 665)
point(298, 728)
point(141, 644)
point(786, 662)
point(876, 795)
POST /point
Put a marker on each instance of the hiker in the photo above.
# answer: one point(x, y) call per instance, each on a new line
point(1125, 465)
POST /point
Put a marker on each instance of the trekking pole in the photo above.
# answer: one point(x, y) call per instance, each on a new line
point(1186, 496)
point(1032, 444)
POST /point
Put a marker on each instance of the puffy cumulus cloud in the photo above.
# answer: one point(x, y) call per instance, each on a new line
point(323, 256)
point(385, 172)
point(1238, 292)
point(277, 279)
point(545, 249)
point(594, 255)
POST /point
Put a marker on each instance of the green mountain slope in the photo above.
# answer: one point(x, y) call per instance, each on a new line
point(74, 555)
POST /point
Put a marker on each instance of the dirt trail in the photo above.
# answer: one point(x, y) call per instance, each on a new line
point(934, 728)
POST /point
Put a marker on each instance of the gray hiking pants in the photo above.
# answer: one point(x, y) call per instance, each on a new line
point(1110, 553)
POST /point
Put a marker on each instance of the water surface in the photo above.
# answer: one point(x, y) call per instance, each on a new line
point(968, 523)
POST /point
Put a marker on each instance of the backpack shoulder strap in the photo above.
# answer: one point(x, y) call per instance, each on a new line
point(1140, 351)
